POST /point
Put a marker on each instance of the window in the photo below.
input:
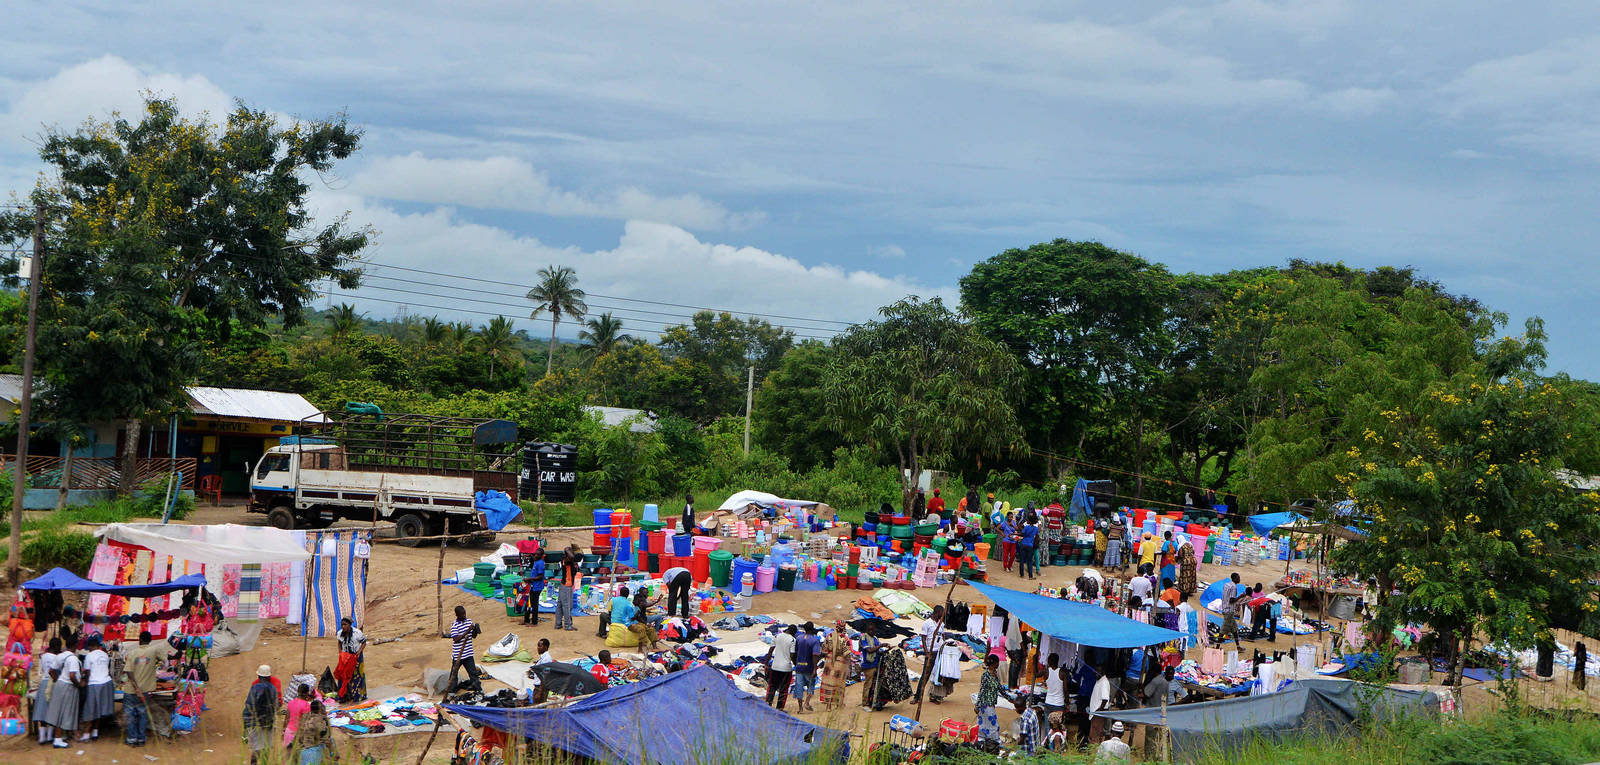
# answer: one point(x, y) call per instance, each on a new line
point(272, 463)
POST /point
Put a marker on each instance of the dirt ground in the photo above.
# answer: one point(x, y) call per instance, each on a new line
point(402, 604)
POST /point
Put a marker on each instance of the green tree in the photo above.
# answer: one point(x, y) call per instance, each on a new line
point(558, 293)
point(926, 385)
point(344, 320)
point(460, 335)
point(714, 352)
point(1470, 515)
point(498, 342)
point(1084, 319)
point(786, 406)
point(167, 231)
point(434, 332)
point(603, 335)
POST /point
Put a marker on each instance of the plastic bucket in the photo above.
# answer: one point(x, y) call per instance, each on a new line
point(653, 561)
point(785, 579)
point(981, 549)
point(602, 517)
point(766, 577)
point(699, 568)
point(602, 539)
point(651, 514)
point(621, 521)
point(721, 566)
point(743, 567)
point(483, 572)
point(682, 545)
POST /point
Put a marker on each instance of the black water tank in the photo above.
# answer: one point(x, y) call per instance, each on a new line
point(550, 470)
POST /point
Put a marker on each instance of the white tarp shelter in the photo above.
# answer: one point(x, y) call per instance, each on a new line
point(219, 544)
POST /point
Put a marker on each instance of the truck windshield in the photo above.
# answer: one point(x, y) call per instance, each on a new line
point(270, 463)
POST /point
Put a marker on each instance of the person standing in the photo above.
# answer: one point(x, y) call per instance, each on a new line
point(1099, 701)
point(687, 524)
point(1188, 570)
point(780, 666)
point(1007, 531)
point(1113, 559)
point(1055, 686)
point(260, 712)
point(1148, 547)
point(678, 581)
point(462, 654)
point(533, 580)
point(99, 695)
point(807, 650)
point(570, 576)
point(139, 681)
point(1169, 558)
point(1027, 538)
point(1016, 650)
point(836, 665)
point(351, 671)
point(1159, 689)
point(988, 697)
point(49, 670)
point(313, 739)
point(870, 647)
point(936, 505)
point(1230, 609)
point(65, 694)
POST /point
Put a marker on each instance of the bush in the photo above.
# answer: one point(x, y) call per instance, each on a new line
point(49, 548)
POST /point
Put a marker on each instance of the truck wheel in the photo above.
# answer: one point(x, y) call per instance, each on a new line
point(280, 517)
point(408, 528)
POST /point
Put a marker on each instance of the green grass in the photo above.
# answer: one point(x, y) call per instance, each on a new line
point(48, 541)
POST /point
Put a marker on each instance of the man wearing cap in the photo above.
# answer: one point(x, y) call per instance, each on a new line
point(1114, 749)
point(260, 712)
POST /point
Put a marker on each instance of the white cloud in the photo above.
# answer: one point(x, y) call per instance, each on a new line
point(651, 261)
point(508, 183)
point(1355, 102)
point(1470, 154)
point(1564, 76)
point(96, 89)
point(889, 251)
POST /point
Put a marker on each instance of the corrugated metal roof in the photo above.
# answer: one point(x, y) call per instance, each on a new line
point(11, 388)
point(252, 404)
point(613, 416)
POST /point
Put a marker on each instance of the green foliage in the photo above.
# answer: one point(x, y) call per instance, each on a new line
point(557, 293)
point(788, 414)
point(48, 548)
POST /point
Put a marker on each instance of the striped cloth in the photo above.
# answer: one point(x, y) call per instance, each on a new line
point(335, 580)
point(249, 609)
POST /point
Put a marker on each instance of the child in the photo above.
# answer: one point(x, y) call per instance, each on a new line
point(1058, 733)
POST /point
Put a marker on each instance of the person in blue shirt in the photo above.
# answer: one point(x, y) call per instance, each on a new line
point(1027, 538)
point(1008, 542)
point(621, 612)
point(869, 647)
point(806, 650)
point(533, 580)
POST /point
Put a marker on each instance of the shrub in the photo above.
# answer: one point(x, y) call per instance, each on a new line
point(49, 548)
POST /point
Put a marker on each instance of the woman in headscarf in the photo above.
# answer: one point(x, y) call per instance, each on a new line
point(1186, 570)
point(1007, 533)
point(836, 665)
point(894, 683)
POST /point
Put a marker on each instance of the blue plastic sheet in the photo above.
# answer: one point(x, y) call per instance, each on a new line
point(497, 508)
point(687, 717)
point(62, 579)
point(1080, 623)
point(1265, 523)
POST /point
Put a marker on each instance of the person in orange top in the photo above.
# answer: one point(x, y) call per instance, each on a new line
point(1170, 594)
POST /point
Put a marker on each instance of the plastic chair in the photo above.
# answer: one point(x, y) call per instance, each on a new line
point(211, 486)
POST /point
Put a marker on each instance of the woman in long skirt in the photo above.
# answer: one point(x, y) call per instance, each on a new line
point(64, 695)
point(49, 666)
point(99, 695)
point(836, 668)
point(1186, 570)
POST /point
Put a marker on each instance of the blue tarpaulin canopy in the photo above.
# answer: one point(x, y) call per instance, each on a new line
point(1080, 623)
point(1265, 523)
point(687, 717)
point(62, 579)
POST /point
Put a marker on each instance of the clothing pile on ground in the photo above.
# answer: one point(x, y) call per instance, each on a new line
point(741, 621)
point(619, 672)
point(378, 716)
point(680, 630)
point(1238, 681)
point(902, 603)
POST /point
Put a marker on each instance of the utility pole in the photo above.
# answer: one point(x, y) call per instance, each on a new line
point(35, 268)
point(749, 399)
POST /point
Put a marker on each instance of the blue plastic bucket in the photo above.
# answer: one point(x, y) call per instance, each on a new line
point(602, 517)
point(683, 545)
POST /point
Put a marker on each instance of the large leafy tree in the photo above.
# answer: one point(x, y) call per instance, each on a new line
point(557, 292)
point(166, 231)
point(787, 404)
point(1470, 515)
point(924, 384)
point(724, 347)
point(1086, 320)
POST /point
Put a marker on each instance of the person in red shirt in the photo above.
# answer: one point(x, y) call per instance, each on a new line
point(936, 505)
point(602, 668)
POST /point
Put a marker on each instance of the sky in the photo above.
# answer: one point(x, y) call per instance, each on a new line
point(817, 161)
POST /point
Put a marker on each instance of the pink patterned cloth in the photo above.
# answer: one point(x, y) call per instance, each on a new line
point(275, 590)
point(230, 590)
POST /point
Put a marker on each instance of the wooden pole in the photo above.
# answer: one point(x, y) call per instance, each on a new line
point(438, 589)
point(305, 612)
point(25, 405)
point(438, 722)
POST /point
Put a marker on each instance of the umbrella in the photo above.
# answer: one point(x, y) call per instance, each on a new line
point(566, 679)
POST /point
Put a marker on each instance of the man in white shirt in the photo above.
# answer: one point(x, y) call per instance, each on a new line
point(780, 667)
point(1140, 588)
point(1099, 700)
point(930, 630)
point(1114, 749)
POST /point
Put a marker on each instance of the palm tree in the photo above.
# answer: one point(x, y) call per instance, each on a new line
point(497, 341)
point(460, 335)
point(434, 332)
point(603, 335)
point(558, 293)
point(344, 319)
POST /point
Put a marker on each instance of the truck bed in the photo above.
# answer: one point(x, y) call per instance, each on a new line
point(405, 490)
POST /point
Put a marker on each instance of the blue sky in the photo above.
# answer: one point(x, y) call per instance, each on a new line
point(822, 160)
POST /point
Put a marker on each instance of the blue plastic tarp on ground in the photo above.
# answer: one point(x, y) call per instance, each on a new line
point(62, 579)
point(687, 717)
point(1265, 523)
point(1081, 623)
point(497, 508)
